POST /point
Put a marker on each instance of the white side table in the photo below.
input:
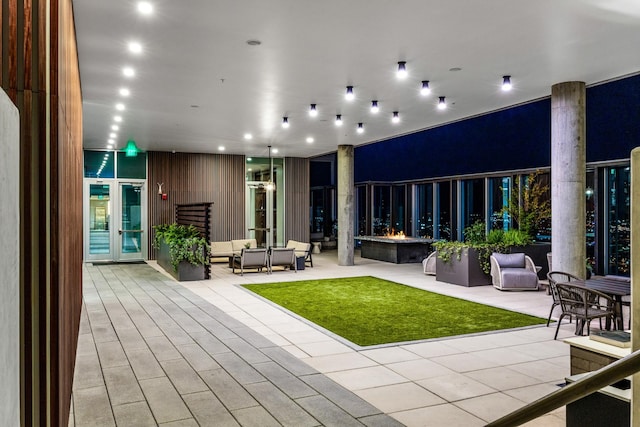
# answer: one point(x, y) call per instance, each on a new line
point(316, 247)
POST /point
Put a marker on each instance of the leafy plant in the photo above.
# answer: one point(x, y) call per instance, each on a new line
point(530, 205)
point(516, 238)
point(475, 234)
point(185, 244)
point(495, 237)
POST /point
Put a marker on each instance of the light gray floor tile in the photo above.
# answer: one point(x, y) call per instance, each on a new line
point(438, 416)
point(420, 369)
point(87, 372)
point(491, 406)
point(358, 379)
point(347, 400)
point(111, 354)
point(228, 390)
point(209, 343)
point(326, 412)
point(164, 400)
point(245, 350)
point(197, 357)
point(502, 378)
point(92, 407)
point(400, 397)
point(122, 385)
point(389, 355)
point(183, 377)
point(255, 416)
point(208, 410)
point(284, 380)
point(144, 364)
point(283, 408)
point(238, 368)
point(134, 415)
point(162, 348)
point(455, 386)
point(340, 362)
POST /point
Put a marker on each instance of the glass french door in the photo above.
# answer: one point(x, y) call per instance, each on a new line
point(260, 213)
point(114, 221)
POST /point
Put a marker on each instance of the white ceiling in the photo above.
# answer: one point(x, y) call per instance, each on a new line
point(195, 54)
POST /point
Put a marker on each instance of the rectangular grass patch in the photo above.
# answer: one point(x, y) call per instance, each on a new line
point(368, 310)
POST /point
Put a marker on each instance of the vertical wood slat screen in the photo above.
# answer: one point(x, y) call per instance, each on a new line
point(199, 216)
point(50, 197)
point(297, 199)
point(194, 178)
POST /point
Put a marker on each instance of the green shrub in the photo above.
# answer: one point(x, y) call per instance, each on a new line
point(495, 237)
point(185, 244)
point(516, 238)
point(475, 233)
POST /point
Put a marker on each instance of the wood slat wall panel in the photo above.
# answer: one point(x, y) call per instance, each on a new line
point(50, 197)
point(194, 178)
point(297, 199)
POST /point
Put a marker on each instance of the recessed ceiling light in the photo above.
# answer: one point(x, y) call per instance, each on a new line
point(285, 122)
point(248, 136)
point(310, 139)
point(313, 111)
point(360, 128)
point(442, 104)
point(221, 148)
point(249, 170)
point(112, 135)
point(124, 91)
point(506, 83)
point(402, 70)
point(111, 141)
point(396, 117)
point(274, 151)
point(374, 107)
point(128, 72)
point(349, 95)
point(117, 119)
point(115, 127)
point(134, 47)
point(338, 120)
point(425, 89)
point(109, 146)
point(145, 8)
point(120, 107)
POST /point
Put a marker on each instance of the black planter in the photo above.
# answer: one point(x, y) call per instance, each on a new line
point(465, 271)
point(186, 270)
point(538, 253)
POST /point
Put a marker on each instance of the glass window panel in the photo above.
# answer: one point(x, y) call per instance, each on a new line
point(98, 164)
point(444, 210)
point(132, 167)
point(590, 226)
point(424, 211)
point(361, 214)
point(398, 209)
point(99, 218)
point(381, 216)
point(499, 190)
point(317, 211)
point(472, 202)
point(619, 202)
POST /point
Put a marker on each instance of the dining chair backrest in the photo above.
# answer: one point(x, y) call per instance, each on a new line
point(253, 257)
point(556, 277)
point(282, 256)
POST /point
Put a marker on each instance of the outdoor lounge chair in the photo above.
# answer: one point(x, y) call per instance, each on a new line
point(584, 304)
point(250, 258)
point(283, 257)
point(513, 272)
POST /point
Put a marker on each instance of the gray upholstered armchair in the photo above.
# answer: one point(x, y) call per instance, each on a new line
point(513, 272)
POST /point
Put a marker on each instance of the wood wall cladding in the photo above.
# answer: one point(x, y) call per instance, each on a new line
point(196, 178)
point(297, 199)
point(51, 197)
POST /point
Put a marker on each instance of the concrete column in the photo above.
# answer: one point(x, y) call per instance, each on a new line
point(9, 262)
point(635, 279)
point(568, 176)
point(346, 205)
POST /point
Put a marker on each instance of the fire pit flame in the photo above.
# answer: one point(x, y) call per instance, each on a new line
point(394, 235)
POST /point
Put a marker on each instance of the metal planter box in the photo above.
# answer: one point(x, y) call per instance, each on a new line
point(465, 271)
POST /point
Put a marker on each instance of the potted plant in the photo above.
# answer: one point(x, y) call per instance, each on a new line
point(182, 251)
point(466, 263)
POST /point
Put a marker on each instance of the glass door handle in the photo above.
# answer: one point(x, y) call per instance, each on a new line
point(130, 231)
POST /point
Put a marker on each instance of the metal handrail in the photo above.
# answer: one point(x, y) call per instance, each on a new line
point(585, 386)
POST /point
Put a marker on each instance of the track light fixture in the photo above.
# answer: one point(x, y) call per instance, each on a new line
point(285, 122)
point(349, 96)
point(442, 104)
point(506, 83)
point(402, 70)
point(313, 111)
point(360, 128)
point(396, 117)
point(338, 119)
point(374, 107)
point(425, 89)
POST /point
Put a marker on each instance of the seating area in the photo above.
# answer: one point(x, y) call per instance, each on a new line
point(513, 272)
point(293, 257)
point(221, 251)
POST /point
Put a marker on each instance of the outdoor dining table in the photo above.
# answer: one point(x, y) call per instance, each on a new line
point(616, 287)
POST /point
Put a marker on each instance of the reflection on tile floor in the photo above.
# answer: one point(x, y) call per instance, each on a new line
point(153, 351)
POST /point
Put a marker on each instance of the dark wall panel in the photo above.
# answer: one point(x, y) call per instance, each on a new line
point(297, 199)
point(50, 198)
point(196, 178)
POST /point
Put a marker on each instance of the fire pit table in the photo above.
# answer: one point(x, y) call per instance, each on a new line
point(396, 249)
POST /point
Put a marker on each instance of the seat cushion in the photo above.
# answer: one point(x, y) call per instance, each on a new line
point(519, 278)
point(509, 260)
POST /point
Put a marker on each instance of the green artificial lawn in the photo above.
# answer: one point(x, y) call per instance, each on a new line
point(368, 311)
